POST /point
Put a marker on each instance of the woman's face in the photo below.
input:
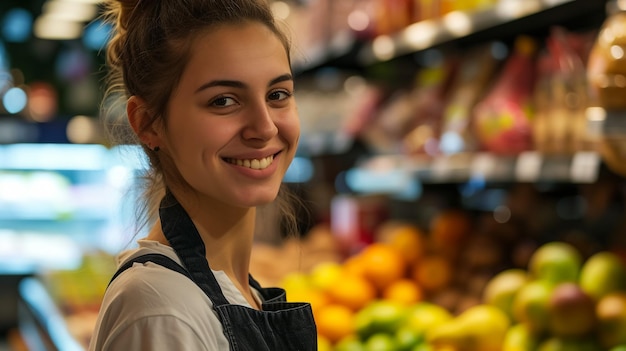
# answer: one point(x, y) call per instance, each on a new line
point(233, 127)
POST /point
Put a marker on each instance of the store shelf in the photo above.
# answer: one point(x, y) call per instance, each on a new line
point(530, 166)
point(602, 123)
point(508, 17)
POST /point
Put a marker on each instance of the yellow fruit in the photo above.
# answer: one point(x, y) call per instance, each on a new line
point(404, 291)
point(531, 305)
point(601, 274)
point(479, 328)
point(382, 265)
point(324, 344)
point(325, 274)
point(424, 316)
point(335, 322)
point(294, 283)
point(519, 338)
point(501, 289)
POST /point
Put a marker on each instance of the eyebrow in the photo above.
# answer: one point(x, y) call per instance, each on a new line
point(240, 84)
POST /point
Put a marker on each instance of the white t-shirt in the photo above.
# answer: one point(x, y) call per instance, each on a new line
point(150, 307)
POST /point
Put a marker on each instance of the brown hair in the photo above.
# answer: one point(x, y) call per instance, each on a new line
point(146, 57)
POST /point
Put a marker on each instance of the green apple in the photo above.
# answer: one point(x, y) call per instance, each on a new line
point(502, 288)
point(531, 305)
point(555, 262)
point(519, 338)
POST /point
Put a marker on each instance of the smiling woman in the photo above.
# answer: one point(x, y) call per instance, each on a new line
point(207, 91)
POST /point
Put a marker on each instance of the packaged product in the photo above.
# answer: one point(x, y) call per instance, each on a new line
point(502, 119)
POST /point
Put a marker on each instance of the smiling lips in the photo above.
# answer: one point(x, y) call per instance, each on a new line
point(253, 163)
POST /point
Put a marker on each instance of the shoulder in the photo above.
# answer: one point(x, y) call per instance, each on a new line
point(149, 301)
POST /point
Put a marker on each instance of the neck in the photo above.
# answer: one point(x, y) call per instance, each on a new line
point(227, 234)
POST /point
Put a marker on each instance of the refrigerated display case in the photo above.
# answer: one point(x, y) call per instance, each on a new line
point(65, 211)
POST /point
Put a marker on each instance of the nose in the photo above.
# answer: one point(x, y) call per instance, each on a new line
point(260, 123)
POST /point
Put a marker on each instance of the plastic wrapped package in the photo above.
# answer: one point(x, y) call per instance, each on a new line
point(606, 68)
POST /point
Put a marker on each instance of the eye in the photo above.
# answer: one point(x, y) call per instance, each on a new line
point(223, 101)
point(279, 95)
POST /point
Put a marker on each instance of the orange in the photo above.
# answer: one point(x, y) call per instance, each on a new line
point(432, 272)
point(404, 291)
point(335, 322)
point(354, 265)
point(316, 298)
point(352, 291)
point(382, 264)
point(448, 230)
point(407, 239)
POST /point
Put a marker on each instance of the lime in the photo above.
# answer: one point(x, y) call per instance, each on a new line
point(381, 342)
point(407, 339)
point(381, 316)
point(349, 343)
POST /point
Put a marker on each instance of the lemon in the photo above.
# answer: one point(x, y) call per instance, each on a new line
point(481, 327)
point(325, 274)
point(323, 343)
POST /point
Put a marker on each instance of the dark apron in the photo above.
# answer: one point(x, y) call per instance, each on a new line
point(280, 325)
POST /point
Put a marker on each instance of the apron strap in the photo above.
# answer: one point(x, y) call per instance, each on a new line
point(186, 241)
point(159, 259)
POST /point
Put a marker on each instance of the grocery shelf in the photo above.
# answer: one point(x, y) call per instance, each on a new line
point(530, 166)
point(603, 123)
point(455, 25)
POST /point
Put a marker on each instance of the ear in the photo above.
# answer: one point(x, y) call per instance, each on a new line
point(140, 120)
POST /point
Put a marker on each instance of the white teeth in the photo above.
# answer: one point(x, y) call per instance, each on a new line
point(254, 163)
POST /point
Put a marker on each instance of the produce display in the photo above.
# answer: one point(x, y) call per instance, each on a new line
point(392, 296)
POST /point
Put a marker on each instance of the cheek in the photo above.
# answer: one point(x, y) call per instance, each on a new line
point(290, 127)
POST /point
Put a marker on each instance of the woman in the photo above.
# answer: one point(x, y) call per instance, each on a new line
point(209, 95)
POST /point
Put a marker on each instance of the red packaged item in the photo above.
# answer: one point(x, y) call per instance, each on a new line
point(503, 119)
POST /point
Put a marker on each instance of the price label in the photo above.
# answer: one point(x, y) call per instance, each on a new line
point(585, 166)
point(442, 168)
point(484, 165)
point(528, 166)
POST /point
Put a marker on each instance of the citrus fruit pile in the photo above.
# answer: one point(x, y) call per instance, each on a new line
point(378, 297)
